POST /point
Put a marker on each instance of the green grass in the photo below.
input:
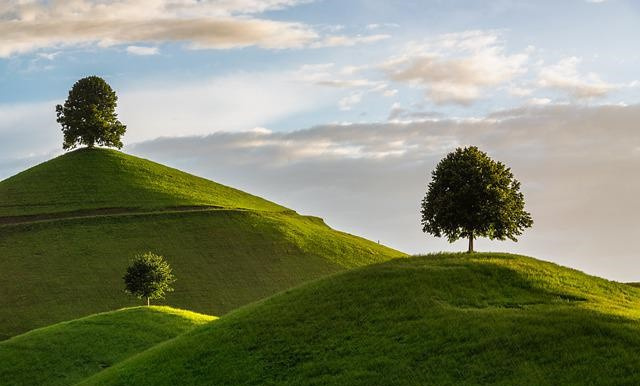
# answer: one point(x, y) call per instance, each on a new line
point(61, 270)
point(88, 179)
point(245, 249)
point(441, 319)
point(68, 352)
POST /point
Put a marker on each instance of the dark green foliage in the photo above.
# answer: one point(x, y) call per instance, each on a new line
point(148, 277)
point(88, 116)
point(446, 319)
point(470, 196)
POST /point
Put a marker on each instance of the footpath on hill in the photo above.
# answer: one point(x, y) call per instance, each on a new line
point(113, 212)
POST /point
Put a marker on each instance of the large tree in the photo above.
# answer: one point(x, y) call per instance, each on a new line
point(88, 115)
point(148, 277)
point(470, 195)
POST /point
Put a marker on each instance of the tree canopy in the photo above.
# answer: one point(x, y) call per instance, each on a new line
point(470, 195)
point(148, 277)
point(88, 115)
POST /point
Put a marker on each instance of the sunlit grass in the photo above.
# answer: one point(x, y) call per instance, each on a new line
point(438, 319)
point(101, 178)
point(65, 353)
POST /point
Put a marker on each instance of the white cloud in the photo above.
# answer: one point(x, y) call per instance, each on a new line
point(374, 26)
point(223, 24)
point(48, 55)
point(390, 93)
point(348, 102)
point(520, 91)
point(348, 41)
point(141, 50)
point(564, 76)
point(456, 68)
point(538, 101)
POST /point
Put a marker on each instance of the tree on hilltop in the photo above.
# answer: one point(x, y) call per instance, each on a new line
point(148, 277)
point(470, 195)
point(88, 115)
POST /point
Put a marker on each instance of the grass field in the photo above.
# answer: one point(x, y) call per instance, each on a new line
point(102, 178)
point(61, 269)
point(442, 319)
point(68, 352)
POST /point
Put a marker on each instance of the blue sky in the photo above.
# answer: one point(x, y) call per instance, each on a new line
point(341, 108)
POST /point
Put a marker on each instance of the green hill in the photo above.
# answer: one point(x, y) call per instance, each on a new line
point(92, 179)
point(64, 265)
point(68, 352)
point(442, 319)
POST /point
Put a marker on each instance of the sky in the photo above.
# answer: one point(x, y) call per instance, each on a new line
point(341, 109)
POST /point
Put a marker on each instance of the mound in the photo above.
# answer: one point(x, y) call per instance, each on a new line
point(90, 179)
point(68, 352)
point(64, 267)
point(443, 319)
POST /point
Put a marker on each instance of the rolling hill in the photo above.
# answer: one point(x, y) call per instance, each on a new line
point(67, 352)
point(105, 180)
point(69, 227)
point(441, 319)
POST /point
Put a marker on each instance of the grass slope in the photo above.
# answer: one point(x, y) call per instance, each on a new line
point(65, 353)
point(61, 270)
point(442, 319)
point(64, 268)
point(100, 178)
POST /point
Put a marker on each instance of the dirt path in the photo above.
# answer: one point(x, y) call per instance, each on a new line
point(104, 212)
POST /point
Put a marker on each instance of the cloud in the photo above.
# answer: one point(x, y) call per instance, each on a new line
point(156, 108)
point(348, 41)
point(369, 179)
point(564, 76)
point(143, 51)
point(225, 24)
point(456, 68)
point(237, 101)
point(348, 102)
point(31, 25)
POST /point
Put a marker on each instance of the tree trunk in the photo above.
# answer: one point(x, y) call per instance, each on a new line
point(470, 243)
point(147, 302)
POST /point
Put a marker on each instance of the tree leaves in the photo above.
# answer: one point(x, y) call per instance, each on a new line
point(148, 277)
point(471, 195)
point(88, 116)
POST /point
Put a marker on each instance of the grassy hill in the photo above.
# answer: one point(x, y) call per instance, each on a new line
point(68, 352)
point(88, 179)
point(60, 267)
point(442, 319)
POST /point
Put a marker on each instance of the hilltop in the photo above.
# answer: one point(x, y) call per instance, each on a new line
point(72, 224)
point(441, 319)
point(98, 179)
point(65, 353)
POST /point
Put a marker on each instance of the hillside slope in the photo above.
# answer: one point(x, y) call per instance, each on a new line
point(59, 268)
point(101, 178)
point(443, 319)
point(68, 352)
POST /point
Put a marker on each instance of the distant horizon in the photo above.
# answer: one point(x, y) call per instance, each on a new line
point(341, 110)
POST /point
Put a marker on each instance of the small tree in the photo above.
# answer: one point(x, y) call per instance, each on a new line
point(88, 116)
point(149, 276)
point(470, 195)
